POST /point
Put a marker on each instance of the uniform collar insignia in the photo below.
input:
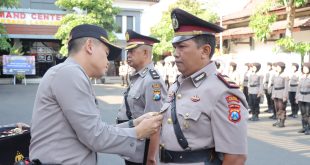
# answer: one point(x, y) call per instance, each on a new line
point(195, 98)
point(143, 72)
point(198, 79)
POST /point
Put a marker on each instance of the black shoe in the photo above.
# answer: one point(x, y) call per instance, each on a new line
point(276, 123)
point(291, 115)
point(302, 130)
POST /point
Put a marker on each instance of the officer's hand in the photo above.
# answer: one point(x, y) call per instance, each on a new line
point(138, 120)
point(284, 99)
point(148, 126)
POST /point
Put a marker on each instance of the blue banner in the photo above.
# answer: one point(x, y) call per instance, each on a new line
point(19, 65)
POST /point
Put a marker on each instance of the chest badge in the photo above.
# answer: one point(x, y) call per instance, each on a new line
point(156, 95)
point(195, 98)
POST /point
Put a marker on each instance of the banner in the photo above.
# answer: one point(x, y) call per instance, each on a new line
point(18, 64)
point(23, 18)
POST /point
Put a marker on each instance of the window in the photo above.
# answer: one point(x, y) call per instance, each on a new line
point(119, 24)
point(130, 22)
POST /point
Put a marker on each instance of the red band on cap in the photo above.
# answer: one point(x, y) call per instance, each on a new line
point(146, 42)
point(187, 28)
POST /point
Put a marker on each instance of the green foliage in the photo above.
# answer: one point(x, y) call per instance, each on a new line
point(261, 21)
point(4, 41)
point(16, 50)
point(164, 31)
point(289, 45)
point(298, 3)
point(9, 3)
point(98, 12)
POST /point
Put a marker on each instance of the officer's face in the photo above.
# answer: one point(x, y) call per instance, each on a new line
point(294, 68)
point(305, 70)
point(99, 60)
point(279, 69)
point(190, 58)
point(135, 57)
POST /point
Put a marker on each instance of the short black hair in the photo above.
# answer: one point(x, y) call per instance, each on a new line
point(76, 44)
point(201, 40)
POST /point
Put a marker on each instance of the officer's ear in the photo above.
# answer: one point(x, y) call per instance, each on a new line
point(89, 46)
point(205, 51)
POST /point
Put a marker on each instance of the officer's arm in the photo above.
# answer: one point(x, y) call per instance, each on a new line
point(232, 159)
point(74, 95)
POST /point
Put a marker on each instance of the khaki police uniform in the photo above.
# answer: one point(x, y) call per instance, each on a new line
point(280, 96)
point(303, 97)
point(66, 123)
point(255, 88)
point(146, 93)
point(267, 89)
point(292, 88)
point(210, 114)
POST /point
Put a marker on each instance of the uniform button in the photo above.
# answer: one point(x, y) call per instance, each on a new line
point(179, 96)
point(187, 114)
point(132, 144)
point(169, 121)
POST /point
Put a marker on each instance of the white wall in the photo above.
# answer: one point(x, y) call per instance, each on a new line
point(302, 36)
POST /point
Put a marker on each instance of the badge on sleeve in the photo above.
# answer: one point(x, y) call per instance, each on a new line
point(156, 95)
point(234, 113)
point(232, 98)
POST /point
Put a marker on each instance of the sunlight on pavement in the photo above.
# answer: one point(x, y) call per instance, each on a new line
point(286, 138)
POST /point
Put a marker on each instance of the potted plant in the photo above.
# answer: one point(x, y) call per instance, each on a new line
point(19, 78)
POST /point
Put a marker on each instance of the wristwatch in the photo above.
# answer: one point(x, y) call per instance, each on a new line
point(130, 124)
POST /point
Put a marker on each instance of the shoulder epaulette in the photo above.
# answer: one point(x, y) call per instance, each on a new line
point(154, 74)
point(227, 81)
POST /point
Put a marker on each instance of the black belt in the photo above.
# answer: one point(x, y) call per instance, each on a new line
point(279, 88)
point(304, 93)
point(253, 85)
point(167, 156)
point(121, 121)
point(294, 85)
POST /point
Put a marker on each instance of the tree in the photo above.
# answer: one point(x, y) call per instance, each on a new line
point(290, 6)
point(261, 21)
point(4, 41)
point(164, 31)
point(99, 12)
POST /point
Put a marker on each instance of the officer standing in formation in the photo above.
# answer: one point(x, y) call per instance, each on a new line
point(66, 123)
point(303, 98)
point(267, 88)
point(205, 117)
point(280, 94)
point(233, 74)
point(146, 92)
point(292, 88)
point(245, 83)
point(256, 90)
point(272, 75)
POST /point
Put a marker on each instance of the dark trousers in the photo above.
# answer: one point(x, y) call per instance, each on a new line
point(246, 93)
point(294, 106)
point(254, 103)
point(305, 111)
point(280, 108)
point(269, 100)
point(132, 163)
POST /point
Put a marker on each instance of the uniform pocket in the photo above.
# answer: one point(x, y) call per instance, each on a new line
point(190, 115)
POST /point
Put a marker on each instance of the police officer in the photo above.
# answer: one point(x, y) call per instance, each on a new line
point(267, 79)
point(246, 81)
point(256, 90)
point(292, 88)
point(205, 117)
point(303, 98)
point(145, 93)
point(272, 75)
point(280, 94)
point(233, 74)
point(66, 123)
